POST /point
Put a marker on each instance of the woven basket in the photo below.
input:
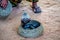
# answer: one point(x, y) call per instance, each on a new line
point(5, 12)
point(31, 33)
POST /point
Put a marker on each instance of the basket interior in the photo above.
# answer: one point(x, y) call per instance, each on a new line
point(32, 24)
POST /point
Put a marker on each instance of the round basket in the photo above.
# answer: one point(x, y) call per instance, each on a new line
point(31, 33)
point(5, 12)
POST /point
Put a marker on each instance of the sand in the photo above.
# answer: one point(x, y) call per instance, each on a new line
point(49, 17)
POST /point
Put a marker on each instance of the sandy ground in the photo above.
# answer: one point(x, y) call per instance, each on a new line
point(50, 19)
